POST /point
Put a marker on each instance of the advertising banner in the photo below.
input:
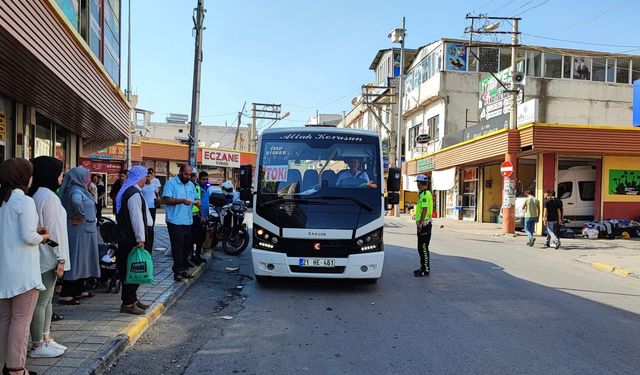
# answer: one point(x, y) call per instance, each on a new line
point(456, 57)
point(495, 101)
point(219, 158)
point(624, 182)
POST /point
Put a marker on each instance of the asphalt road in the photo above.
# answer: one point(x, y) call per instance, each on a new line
point(491, 306)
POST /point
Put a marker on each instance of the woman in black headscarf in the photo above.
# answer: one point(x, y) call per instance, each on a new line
point(54, 260)
point(20, 279)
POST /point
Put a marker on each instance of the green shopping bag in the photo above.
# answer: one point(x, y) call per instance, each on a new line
point(139, 267)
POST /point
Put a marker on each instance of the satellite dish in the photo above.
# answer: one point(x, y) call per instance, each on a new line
point(215, 145)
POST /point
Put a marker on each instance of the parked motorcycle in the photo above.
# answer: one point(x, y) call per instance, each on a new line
point(227, 223)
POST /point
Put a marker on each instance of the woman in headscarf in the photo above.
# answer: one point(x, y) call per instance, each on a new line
point(20, 279)
point(134, 225)
point(54, 260)
point(83, 236)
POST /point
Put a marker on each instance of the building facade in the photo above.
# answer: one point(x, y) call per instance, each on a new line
point(575, 111)
point(59, 85)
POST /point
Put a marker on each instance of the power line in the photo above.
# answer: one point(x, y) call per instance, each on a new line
point(523, 5)
point(483, 5)
point(533, 7)
point(602, 13)
point(320, 105)
point(580, 42)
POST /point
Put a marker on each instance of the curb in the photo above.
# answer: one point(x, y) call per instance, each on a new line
point(607, 268)
point(105, 357)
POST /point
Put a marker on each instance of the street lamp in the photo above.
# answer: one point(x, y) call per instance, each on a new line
point(397, 36)
point(284, 116)
point(491, 27)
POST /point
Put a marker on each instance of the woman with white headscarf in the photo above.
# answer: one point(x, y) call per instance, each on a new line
point(83, 236)
point(134, 224)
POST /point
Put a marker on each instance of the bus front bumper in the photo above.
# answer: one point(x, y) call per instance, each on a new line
point(356, 266)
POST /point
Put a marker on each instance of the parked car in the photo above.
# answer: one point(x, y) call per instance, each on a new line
point(577, 190)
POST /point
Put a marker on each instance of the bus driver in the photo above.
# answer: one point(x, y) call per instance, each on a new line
point(354, 172)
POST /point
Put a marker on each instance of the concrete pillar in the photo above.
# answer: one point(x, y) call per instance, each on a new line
point(597, 204)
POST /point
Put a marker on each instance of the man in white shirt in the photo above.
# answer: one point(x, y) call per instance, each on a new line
point(151, 194)
point(354, 172)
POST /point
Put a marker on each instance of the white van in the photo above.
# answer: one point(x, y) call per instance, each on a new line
point(577, 190)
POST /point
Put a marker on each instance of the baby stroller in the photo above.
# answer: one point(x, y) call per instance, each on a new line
point(109, 276)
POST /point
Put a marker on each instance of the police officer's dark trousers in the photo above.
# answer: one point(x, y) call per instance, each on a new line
point(424, 237)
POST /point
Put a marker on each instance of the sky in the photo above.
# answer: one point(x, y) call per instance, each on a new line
point(315, 55)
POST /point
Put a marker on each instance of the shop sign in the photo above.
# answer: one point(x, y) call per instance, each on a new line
point(102, 166)
point(423, 138)
point(110, 153)
point(424, 165)
point(528, 112)
point(217, 158)
point(456, 57)
point(624, 182)
point(495, 101)
point(3, 124)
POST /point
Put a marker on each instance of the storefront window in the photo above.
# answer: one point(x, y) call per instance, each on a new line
point(62, 143)
point(42, 137)
point(469, 190)
point(7, 119)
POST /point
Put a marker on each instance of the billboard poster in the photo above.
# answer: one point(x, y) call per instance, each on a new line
point(624, 182)
point(582, 68)
point(494, 104)
point(456, 57)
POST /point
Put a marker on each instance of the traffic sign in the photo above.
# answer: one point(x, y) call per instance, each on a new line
point(506, 169)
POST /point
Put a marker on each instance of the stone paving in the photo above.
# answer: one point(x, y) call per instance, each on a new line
point(87, 329)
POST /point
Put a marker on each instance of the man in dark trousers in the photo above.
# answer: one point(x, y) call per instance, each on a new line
point(134, 221)
point(200, 215)
point(552, 218)
point(115, 188)
point(179, 196)
point(101, 197)
point(423, 212)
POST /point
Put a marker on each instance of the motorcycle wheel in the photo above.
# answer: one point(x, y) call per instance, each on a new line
point(236, 242)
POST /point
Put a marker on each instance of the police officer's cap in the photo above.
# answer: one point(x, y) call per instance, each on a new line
point(422, 178)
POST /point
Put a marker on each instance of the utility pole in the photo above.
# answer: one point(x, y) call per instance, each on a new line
point(128, 141)
point(398, 35)
point(262, 111)
point(198, 21)
point(235, 140)
point(509, 183)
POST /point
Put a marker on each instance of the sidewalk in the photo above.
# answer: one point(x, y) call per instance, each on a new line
point(96, 332)
point(620, 257)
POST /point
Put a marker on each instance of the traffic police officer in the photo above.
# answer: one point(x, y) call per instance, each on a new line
point(423, 212)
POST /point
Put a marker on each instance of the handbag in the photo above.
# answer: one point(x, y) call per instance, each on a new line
point(139, 267)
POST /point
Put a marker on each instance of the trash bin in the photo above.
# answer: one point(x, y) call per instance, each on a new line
point(459, 212)
point(494, 215)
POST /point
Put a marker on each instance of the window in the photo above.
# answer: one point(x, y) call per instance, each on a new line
point(565, 189)
point(95, 28)
point(534, 63)
point(622, 71)
point(505, 58)
point(489, 60)
point(635, 70)
point(472, 66)
point(600, 69)
point(582, 68)
point(414, 131)
point(433, 125)
point(62, 136)
point(587, 190)
point(552, 65)
point(42, 136)
point(566, 66)
point(611, 70)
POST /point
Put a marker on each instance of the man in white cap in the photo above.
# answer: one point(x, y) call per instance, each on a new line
point(424, 210)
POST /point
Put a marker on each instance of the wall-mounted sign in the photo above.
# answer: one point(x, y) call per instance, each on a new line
point(423, 138)
point(218, 158)
point(528, 112)
point(3, 124)
point(624, 182)
point(456, 57)
point(424, 165)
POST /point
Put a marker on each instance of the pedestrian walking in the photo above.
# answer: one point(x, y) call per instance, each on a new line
point(102, 197)
point(151, 194)
point(552, 218)
point(531, 208)
point(83, 236)
point(179, 196)
point(134, 224)
point(200, 215)
point(20, 278)
point(115, 188)
point(54, 256)
point(423, 212)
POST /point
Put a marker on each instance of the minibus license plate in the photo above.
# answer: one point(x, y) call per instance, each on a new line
point(317, 262)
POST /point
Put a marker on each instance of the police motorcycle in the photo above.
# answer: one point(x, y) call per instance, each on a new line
point(226, 219)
